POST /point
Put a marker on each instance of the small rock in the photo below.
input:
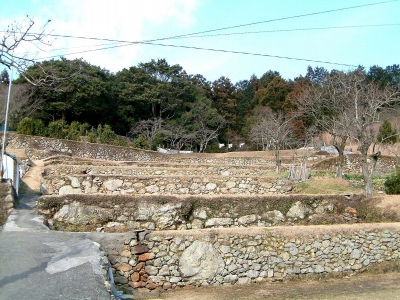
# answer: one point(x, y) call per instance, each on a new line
point(124, 268)
point(167, 285)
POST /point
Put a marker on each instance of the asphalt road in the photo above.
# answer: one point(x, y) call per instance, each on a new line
point(36, 263)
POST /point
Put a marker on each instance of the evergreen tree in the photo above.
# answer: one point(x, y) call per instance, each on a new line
point(386, 134)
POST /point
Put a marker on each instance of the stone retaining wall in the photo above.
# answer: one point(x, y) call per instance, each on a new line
point(352, 164)
point(125, 213)
point(167, 185)
point(7, 201)
point(145, 169)
point(165, 260)
point(41, 147)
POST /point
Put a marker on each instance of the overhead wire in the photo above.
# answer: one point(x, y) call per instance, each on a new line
point(196, 34)
point(211, 49)
point(225, 28)
point(277, 19)
point(117, 43)
point(221, 34)
point(295, 29)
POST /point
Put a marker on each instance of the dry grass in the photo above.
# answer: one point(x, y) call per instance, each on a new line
point(333, 186)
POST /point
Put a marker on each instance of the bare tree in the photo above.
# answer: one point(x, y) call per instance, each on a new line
point(177, 136)
point(204, 134)
point(281, 135)
point(18, 37)
point(21, 104)
point(258, 135)
point(148, 129)
point(327, 103)
point(348, 106)
point(369, 101)
point(273, 130)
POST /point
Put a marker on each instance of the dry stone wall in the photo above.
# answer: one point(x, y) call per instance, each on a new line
point(7, 201)
point(42, 147)
point(167, 185)
point(141, 169)
point(122, 213)
point(352, 164)
point(168, 260)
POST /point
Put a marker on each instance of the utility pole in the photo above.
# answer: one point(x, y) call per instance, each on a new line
point(5, 125)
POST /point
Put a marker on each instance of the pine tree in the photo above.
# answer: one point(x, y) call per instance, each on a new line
point(386, 134)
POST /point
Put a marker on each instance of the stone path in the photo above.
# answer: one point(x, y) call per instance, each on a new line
point(32, 178)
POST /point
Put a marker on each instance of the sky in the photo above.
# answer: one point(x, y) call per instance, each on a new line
point(311, 37)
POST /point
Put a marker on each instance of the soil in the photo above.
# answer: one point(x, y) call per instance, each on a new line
point(363, 286)
point(32, 177)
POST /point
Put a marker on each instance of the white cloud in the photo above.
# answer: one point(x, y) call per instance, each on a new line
point(119, 19)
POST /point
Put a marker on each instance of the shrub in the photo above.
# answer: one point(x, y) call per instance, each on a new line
point(107, 135)
point(392, 184)
point(120, 141)
point(91, 136)
point(84, 129)
point(58, 129)
point(74, 131)
point(31, 126)
point(99, 130)
point(214, 148)
point(140, 143)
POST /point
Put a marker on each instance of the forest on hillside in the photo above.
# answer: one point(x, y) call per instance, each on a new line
point(158, 104)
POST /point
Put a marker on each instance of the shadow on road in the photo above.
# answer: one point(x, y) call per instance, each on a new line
point(16, 277)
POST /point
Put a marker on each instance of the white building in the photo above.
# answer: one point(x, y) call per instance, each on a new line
point(12, 169)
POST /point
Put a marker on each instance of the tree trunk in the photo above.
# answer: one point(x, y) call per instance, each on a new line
point(369, 189)
point(278, 161)
point(339, 171)
point(367, 171)
point(201, 148)
point(340, 149)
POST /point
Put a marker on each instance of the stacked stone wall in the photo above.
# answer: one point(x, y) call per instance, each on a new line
point(125, 213)
point(157, 169)
point(353, 164)
point(42, 147)
point(167, 185)
point(165, 260)
point(8, 199)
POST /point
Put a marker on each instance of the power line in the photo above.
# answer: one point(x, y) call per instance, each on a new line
point(211, 49)
point(93, 50)
point(223, 34)
point(225, 28)
point(149, 42)
point(278, 19)
point(77, 47)
point(253, 54)
point(118, 43)
point(295, 29)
